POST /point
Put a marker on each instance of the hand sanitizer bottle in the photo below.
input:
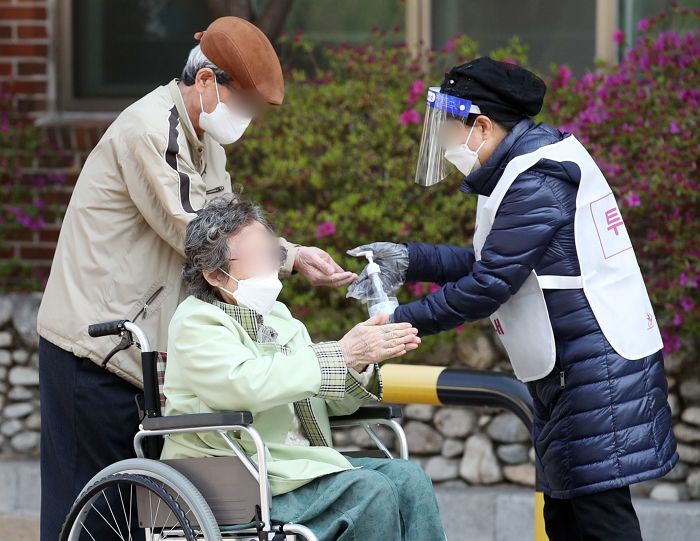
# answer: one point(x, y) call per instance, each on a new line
point(378, 302)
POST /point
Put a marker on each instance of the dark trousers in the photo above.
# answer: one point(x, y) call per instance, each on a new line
point(603, 516)
point(88, 420)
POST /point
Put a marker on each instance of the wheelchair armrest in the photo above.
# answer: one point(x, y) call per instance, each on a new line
point(198, 420)
point(368, 413)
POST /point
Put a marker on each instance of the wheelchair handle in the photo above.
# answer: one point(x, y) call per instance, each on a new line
point(107, 329)
point(112, 328)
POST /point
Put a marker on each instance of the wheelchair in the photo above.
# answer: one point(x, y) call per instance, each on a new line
point(211, 498)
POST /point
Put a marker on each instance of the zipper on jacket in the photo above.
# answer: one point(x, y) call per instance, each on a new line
point(144, 310)
point(562, 382)
point(215, 190)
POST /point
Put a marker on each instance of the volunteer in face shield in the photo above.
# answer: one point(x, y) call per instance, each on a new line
point(552, 266)
point(121, 247)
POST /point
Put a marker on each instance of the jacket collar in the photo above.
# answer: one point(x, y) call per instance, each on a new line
point(185, 121)
point(250, 320)
point(484, 180)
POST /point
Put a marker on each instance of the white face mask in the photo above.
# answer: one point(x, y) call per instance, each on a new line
point(464, 158)
point(224, 125)
point(258, 293)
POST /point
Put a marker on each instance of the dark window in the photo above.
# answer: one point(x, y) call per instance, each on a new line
point(125, 48)
point(556, 31)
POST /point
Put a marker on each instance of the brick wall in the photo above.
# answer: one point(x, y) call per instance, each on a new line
point(24, 50)
point(27, 55)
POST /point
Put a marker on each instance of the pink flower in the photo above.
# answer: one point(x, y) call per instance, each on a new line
point(434, 288)
point(450, 45)
point(409, 117)
point(564, 75)
point(683, 279)
point(417, 87)
point(633, 200)
point(415, 289)
point(674, 127)
point(324, 229)
point(644, 25)
point(677, 319)
point(415, 91)
point(671, 343)
point(687, 304)
point(618, 37)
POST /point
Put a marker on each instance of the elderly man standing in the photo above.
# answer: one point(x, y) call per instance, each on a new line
point(120, 251)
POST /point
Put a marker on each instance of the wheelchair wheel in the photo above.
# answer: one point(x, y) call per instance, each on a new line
point(139, 499)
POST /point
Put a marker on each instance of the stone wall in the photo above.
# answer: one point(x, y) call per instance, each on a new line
point(20, 421)
point(456, 446)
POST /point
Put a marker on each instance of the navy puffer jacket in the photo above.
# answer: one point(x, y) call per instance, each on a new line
point(609, 425)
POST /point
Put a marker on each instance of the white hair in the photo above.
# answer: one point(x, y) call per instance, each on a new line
point(197, 60)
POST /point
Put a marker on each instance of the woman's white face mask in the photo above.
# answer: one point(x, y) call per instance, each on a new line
point(258, 293)
point(223, 124)
point(464, 158)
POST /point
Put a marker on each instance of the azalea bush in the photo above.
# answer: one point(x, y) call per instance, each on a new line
point(335, 164)
point(640, 121)
point(26, 203)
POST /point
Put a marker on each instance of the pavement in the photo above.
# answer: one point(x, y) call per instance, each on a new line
point(501, 513)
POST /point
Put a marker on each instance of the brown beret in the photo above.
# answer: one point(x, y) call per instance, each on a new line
point(246, 55)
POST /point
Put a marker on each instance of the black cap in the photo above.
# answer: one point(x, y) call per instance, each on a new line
point(504, 92)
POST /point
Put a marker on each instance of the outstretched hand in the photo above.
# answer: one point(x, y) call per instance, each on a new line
point(319, 268)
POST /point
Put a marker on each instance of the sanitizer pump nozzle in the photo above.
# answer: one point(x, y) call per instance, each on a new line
point(377, 299)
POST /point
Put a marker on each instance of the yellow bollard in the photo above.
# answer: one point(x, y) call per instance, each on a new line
point(540, 533)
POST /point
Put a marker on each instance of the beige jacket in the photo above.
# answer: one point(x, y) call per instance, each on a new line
point(120, 251)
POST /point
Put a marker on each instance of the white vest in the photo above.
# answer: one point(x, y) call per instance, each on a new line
point(610, 276)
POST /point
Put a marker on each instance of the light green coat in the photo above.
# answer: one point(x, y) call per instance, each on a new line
point(217, 363)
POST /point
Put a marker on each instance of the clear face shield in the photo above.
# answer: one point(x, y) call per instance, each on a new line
point(442, 128)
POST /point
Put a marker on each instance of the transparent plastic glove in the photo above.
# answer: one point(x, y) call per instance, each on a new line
point(393, 262)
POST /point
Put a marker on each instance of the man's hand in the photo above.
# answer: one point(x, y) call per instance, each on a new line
point(319, 268)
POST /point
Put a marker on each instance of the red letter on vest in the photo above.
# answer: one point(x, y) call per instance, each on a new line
point(614, 220)
point(498, 326)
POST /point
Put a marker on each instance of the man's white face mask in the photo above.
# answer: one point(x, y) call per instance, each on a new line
point(223, 124)
point(464, 158)
point(258, 293)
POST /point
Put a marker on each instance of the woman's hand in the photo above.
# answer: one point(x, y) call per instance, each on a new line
point(374, 341)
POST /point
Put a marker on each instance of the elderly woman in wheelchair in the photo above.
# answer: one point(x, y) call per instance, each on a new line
point(233, 346)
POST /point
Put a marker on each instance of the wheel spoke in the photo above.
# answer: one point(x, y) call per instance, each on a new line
point(88, 531)
point(150, 507)
point(109, 506)
point(131, 506)
point(128, 523)
point(157, 508)
point(106, 521)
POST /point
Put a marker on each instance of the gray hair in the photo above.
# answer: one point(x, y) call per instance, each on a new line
point(197, 60)
point(206, 240)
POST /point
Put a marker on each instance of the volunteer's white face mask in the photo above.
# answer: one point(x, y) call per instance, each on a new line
point(464, 158)
point(258, 293)
point(223, 124)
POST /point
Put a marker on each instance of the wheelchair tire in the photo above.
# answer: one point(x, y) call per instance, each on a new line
point(179, 489)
